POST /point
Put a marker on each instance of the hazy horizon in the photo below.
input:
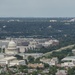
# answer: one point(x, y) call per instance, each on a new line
point(37, 8)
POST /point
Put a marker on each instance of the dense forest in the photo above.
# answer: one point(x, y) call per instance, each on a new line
point(36, 28)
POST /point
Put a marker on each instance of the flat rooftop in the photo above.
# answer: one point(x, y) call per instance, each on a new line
point(8, 58)
point(68, 58)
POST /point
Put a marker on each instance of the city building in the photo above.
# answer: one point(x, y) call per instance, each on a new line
point(68, 61)
point(61, 72)
point(12, 48)
point(25, 44)
point(35, 55)
point(53, 61)
point(11, 61)
point(73, 51)
point(8, 57)
point(36, 65)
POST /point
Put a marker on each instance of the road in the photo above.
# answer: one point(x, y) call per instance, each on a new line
point(63, 48)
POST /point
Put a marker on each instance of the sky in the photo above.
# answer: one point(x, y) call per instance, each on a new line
point(37, 8)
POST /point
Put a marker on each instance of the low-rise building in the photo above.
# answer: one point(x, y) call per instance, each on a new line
point(36, 65)
point(67, 64)
point(31, 70)
point(11, 61)
point(53, 61)
point(68, 61)
point(73, 51)
point(35, 55)
point(61, 72)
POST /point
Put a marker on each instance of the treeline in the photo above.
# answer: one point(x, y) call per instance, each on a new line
point(37, 29)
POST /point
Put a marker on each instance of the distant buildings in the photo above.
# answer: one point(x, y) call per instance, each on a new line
point(7, 58)
point(53, 61)
point(35, 55)
point(17, 46)
point(61, 72)
point(12, 48)
point(25, 44)
point(73, 51)
point(72, 20)
point(50, 42)
point(53, 20)
point(36, 65)
point(11, 61)
point(68, 61)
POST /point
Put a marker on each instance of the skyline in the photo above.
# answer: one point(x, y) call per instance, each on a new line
point(37, 8)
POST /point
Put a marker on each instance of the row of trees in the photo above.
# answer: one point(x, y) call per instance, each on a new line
point(61, 54)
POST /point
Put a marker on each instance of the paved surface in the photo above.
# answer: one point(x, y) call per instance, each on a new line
point(63, 48)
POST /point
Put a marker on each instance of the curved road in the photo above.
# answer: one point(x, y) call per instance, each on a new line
point(63, 48)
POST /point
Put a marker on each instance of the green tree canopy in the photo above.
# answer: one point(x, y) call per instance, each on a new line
point(30, 59)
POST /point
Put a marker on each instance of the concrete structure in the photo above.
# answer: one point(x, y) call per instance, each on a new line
point(17, 62)
point(2, 55)
point(44, 60)
point(25, 44)
point(73, 51)
point(53, 20)
point(36, 65)
point(61, 72)
point(72, 20)
point(35, 55)
point(50, 42)
point(11, 61)
point(67, 64)
point(31, 70)
point(12, 48)
point(68, 61)
point(53, 61)
point(8, 58)
point(69, 58)
point(4, 43)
